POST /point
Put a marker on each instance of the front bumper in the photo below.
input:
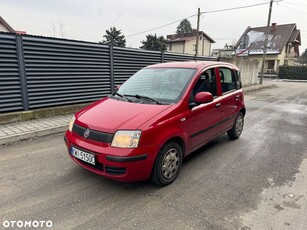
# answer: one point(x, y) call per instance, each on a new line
point(125, 165)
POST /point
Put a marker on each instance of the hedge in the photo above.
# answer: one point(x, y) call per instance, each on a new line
point(293, 72)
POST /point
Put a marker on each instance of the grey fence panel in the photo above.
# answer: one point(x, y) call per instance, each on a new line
point(128, 61)
point(37, 72)
point(10, 90)
point(63, 72)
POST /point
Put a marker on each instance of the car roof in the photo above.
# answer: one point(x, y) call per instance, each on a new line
point(192, 64)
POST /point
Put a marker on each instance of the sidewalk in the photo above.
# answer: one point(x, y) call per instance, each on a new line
point(18, 131)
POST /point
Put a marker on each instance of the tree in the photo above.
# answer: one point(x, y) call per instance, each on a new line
point(114, 37)
point(184, 27)
point(303, 57)
point(57, 30)
point(154, 43)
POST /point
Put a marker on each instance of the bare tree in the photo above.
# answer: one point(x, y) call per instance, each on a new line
point(61, 28)
point(53, 30)
point(57, 29)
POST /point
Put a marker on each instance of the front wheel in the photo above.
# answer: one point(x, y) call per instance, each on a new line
point(167, 164)
point(237, 128)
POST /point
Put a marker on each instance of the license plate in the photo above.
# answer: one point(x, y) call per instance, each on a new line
point(84, 156)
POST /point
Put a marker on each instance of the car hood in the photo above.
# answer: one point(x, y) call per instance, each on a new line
point(110, 115)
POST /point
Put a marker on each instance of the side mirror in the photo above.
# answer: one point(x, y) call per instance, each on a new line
point(203, 97)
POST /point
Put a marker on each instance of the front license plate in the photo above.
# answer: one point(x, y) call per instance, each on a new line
point(84, 156)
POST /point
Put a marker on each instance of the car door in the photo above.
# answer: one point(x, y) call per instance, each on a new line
point(231, 97)
point(203, 121)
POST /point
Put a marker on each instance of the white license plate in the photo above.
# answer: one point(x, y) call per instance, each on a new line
point(84, 156)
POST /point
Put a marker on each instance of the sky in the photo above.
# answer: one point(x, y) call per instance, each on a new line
point(87, 20)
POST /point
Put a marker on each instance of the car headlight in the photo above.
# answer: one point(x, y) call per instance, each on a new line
point(71, 123)
point(126, 139)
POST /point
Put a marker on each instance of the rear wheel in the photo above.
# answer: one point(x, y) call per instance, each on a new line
point(167, 164)
point(235, 132)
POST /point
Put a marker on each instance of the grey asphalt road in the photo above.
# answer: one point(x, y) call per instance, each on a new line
point(256, 182)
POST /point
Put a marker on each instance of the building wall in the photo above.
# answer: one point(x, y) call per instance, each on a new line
point(207, 48)
point(248, 70)
point(2, 28)
point(177, 47)
point(188, 47)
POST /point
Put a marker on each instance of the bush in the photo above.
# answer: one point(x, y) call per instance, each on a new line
point(293, 72)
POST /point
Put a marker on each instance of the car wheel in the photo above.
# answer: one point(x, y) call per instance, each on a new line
point(167, 164)
point(235, 132)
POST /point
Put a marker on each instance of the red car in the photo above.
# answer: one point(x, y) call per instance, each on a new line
point(157, 117)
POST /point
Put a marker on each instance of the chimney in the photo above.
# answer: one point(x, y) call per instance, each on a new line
point(273, 27)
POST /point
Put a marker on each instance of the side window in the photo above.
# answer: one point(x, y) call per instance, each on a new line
point(228, 79)
point(206, 83)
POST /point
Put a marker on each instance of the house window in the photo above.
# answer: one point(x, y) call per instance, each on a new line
point(271, 64)
point(170, 47)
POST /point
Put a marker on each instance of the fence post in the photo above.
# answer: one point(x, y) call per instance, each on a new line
point(22, 72)
point(162, 56)
point(111, 56)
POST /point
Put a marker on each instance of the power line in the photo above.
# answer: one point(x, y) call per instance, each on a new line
point(205, 12)
point(237, 8)
point(159, 27)
point(290, 8)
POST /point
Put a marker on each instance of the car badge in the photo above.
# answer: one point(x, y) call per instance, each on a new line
point(86, 133)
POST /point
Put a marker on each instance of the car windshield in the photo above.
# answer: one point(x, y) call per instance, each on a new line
point(165, 85)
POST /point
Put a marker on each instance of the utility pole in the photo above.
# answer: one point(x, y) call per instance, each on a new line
point(266, 42)
point(197, 30)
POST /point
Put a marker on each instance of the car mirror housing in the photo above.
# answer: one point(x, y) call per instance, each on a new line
point(203, 97)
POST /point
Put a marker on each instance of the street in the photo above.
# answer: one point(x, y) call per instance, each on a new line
point(256, 182)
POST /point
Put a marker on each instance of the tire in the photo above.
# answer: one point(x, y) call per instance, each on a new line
point(167, 165)
point(237, 128)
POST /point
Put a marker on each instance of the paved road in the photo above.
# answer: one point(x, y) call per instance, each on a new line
point(256, 182)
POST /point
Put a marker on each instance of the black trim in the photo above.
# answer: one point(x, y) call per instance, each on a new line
point(126, 159)
point(94, 135)
point(213, 126)
point(115, 170)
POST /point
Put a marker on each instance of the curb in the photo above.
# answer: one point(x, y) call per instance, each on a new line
point(257, 87)
point(34, 134)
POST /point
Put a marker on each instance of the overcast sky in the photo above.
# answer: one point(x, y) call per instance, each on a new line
point(88, 19)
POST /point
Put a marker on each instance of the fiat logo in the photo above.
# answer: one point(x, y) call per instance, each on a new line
point(86, 133)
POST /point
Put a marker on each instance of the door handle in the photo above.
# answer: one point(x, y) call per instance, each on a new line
point(237, 97)
point(218, 105)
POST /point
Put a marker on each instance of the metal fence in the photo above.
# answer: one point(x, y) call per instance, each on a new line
point(37, 72)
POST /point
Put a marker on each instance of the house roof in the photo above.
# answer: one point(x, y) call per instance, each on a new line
point(187, 37)
point(279, 35)
point(6, 25)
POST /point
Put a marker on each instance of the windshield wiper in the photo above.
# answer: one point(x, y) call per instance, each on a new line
point(122, 96)
point(144, 97)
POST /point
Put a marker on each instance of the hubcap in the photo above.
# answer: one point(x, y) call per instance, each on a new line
point(239, 125)
point(170, 163)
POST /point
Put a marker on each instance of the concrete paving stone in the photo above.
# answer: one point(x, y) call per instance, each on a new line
point(2, 134)
point(9, 132)
point(16, 131)
point(17, 127)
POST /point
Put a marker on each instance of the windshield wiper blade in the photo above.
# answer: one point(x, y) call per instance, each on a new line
point(122, 96)
point(144, 97)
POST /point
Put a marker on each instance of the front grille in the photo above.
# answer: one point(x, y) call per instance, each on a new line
point(115, 170)
point(93, 134)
